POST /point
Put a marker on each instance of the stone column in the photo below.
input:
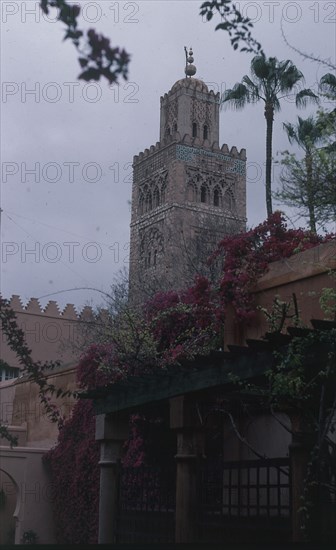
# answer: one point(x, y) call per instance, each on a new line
point(190, 452)
point(111, 431)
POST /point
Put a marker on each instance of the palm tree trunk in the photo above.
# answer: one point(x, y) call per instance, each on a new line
point(269, 115)
point(310, 192)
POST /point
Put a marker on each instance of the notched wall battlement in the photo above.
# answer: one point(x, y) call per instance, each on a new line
point(52, 309)
point(187, 139)
point(194, 85)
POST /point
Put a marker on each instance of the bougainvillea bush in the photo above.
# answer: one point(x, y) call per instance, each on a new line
point(73, 462)
point(175, 325)
point(247, 256)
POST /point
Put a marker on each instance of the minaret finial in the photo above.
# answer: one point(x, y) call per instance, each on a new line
point(190, 69)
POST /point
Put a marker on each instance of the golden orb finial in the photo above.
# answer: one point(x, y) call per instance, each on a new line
point(190, 69)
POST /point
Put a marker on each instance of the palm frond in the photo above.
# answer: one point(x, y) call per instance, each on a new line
point(289, 75)
point(306, 96)
point(306, 133)
point(254, 90)
point(328, 85)
point(237, 97)
point(290, 131)
point(261, 67)
point(276, 103)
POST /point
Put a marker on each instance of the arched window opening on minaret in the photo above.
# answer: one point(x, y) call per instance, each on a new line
point(175, 127)
point(168, 131)
point(204, 194)
point(229, 201)
point(217, 197)
point(194, 129)
point(148, 260)
point(148, 202)
point(141, 204)
point(155, 258)
point(205, 132)
point(156, 198)
point(191, 193)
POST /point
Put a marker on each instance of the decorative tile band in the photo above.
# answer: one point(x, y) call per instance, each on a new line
point(187, 153)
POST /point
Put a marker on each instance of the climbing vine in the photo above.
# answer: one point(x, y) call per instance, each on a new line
point(246, 258)
point(173, 326)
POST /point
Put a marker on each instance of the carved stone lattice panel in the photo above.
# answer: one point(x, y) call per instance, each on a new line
point(210, 189)
point(152, 192)
point(172, 114)
point(151, 246)
point(200, 112)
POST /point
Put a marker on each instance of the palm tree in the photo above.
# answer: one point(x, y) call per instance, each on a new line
point(271, 80)
point(306, 134)
point(328, 85)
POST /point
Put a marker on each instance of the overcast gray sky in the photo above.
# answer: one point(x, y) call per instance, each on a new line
point(67, 148)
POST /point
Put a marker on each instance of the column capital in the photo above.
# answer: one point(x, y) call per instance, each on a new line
point(184, 415)
point(113, 427)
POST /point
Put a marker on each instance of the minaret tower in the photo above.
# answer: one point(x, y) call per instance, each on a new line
point(187, 194)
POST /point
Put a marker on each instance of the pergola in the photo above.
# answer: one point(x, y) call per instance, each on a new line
point(181, 387)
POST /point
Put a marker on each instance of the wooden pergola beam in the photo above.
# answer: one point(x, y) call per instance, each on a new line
point(163, 386)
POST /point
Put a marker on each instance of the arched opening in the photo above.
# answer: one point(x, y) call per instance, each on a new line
point(155, 258)
point(175, 127)
point(216, 197)
point(148, 202)
point(156, 198)
point(8, 509)
point(168, 131)
point(205, 132)
point(229, 202)
point(194, 129)
point(141, 204)
point(204, 194)
point(191, 193)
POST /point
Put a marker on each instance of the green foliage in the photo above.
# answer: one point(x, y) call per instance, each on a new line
point(328, 299)
point(232, 21)
point(97, 58)
point(298, 373)
point(304, 379)
point(309, 184)
point(5, 434)
point(34, 369)
point(271, 80)
point(281, 312)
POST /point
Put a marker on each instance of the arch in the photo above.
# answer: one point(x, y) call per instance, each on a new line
point(168, 131)
point(191, 192)
point(217, 197)
point(204, 194)
point(148, 201)
point(156, 197)
point(229, 202)
point(194, 129)
point(141, 203)
point(17, 509)
point(175, 127)
point(205, 131)
point(163, 191)
point(151, 247)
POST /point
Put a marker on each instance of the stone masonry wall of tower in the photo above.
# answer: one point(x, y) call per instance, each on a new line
point(187, 194)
